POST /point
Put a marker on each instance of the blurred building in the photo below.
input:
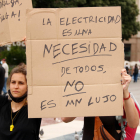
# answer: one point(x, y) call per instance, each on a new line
point(8, 47)
point(132, 46)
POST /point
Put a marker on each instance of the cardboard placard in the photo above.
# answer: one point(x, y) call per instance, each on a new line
point(74, 61)
point(13, 20)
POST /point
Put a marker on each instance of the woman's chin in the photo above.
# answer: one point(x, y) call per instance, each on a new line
point(16, 95)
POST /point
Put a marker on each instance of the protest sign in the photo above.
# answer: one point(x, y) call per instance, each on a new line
point(74, 62)
point(13, 20)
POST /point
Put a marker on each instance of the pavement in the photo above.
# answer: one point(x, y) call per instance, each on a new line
point(57, 130)
point(62, 131)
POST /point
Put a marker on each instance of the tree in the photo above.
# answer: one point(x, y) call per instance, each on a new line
point(129, 10)
point(15, 56)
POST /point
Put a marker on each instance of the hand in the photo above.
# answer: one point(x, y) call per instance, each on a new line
point(24, 39)
point(126, 79)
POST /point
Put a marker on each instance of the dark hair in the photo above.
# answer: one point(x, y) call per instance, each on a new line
point(136, 65)
point(18, 69)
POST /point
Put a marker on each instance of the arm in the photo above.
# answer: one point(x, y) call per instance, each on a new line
point(67, 119)
point(3, 100)
point(132, 115)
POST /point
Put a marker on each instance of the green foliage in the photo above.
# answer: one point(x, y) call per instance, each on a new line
point(11, 68)
point(129, 9)
point(15, 56)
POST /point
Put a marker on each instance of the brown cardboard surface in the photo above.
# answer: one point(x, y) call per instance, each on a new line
point(13, 20)
point(74, 65)
point(48, 101)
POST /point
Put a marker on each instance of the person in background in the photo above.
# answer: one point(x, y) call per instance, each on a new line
point(5, 66)
point(131, 71)
point(2, 77)
point(139, 72)
point(127, 68)
point(135, 73)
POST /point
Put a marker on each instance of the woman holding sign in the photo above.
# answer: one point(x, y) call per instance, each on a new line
point(113, 127)
point(14, 122)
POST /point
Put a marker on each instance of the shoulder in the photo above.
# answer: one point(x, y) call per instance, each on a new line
point(4, 65)
point(1, 68)
point(3, 100)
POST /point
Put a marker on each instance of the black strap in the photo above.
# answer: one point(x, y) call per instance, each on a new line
point(103, 133)
point(88, 132)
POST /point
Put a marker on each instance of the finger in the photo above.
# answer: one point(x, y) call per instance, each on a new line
point(123, 70)
point(126, 81)
point(122, 82)
point(124, 73)
point(24, 39)
point(126, 78)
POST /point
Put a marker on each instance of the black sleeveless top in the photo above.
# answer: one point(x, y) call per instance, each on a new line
point(110, 124)
point(24, 128)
